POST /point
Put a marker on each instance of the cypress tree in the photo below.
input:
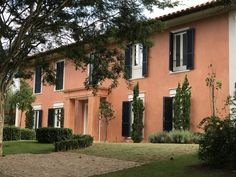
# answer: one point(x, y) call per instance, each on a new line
point(181, 106)
point(177, 118)
point(186, 104)
point(137, 108)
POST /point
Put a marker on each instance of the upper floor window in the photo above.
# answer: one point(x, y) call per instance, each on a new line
point(59, 75)
point(38, 80)
point(181, 50)
point(136, 61)
point(92, 79)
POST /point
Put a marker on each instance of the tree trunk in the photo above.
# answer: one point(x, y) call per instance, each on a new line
point(1, 121)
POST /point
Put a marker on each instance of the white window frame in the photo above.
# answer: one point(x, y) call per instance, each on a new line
point(137, 61)
point(57, 106)
point(182, 66)
point(55, 66)
point(36, 109)
point(130, 98)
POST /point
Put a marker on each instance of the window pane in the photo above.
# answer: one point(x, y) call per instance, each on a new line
point(59, 75)
point(37, 86)
point(184, 49)
point(177, 50)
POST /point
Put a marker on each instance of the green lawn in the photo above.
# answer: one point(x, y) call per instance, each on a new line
point(158, 161)
point(182, 166)
point(20, 147)
point(142, 152)
point(161, 160)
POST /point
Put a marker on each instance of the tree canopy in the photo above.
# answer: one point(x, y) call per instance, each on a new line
point(28, 27)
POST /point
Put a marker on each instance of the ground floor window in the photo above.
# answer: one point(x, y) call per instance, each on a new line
point(128, 117)
point(37, 119)
point(56, 117)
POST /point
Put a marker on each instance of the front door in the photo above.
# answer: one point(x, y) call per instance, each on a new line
point(85, 118)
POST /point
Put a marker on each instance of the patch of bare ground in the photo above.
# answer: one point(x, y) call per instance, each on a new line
point(63, 164)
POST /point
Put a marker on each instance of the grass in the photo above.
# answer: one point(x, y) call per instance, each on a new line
point(157, 160)
point(182, 166)
point(143, 152)
point(21, 147)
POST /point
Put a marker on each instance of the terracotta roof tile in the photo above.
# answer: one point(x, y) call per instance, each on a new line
point(203, 6)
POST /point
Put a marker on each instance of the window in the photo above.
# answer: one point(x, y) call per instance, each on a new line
point(37, 80)
point(136, 61)
point(56, 117)
point(37, 119)
point(127, 116)
point(181, 50)
point(59, 75)
point(92, 79)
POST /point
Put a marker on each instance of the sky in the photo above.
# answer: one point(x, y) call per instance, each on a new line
point(183, 5)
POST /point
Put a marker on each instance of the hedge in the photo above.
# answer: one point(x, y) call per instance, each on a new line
point(11, 133)
point(28, 134)
point(77, 141)
point(176, 136)
point(52, 135)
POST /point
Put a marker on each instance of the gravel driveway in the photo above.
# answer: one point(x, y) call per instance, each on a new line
point(63, 164)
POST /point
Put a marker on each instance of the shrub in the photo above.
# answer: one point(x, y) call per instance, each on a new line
point(77, 141)
point(11, 133)
point(52, 135)
point(182, 137)
point(162, 137)
point(176, 136)
point(218, 143)
point(27, 134)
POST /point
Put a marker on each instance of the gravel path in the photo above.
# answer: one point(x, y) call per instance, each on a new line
point(63, 164)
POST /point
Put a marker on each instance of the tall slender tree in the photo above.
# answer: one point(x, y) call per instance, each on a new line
point(182, 105)
point(137, 110)
point(28, 27)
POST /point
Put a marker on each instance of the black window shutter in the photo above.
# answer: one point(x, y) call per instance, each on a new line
point(62, 118)
point(167, 113)
point(40, 118)
point(126, 113)
point(60, 75)
point(190, 48)
point(145, 61)
point(128, 62)
point(38, 75)
point(51, 117)
point(171, 53)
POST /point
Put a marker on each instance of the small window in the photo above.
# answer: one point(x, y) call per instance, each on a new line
point(59, 75)
point(136, 61)
point(58, 116)
point(37, 80)
point(92, 79)
point(181, 50)
point(37, 119)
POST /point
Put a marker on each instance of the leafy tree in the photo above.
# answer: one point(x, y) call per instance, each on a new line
point(106, 114)
point(23, 98)
point(182, 104)
point(137, 109)
point(9, 108)
point(214, 85)
point(29, 118)
point(28, 27)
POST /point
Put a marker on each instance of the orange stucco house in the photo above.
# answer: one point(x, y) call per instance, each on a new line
point(193, 39)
